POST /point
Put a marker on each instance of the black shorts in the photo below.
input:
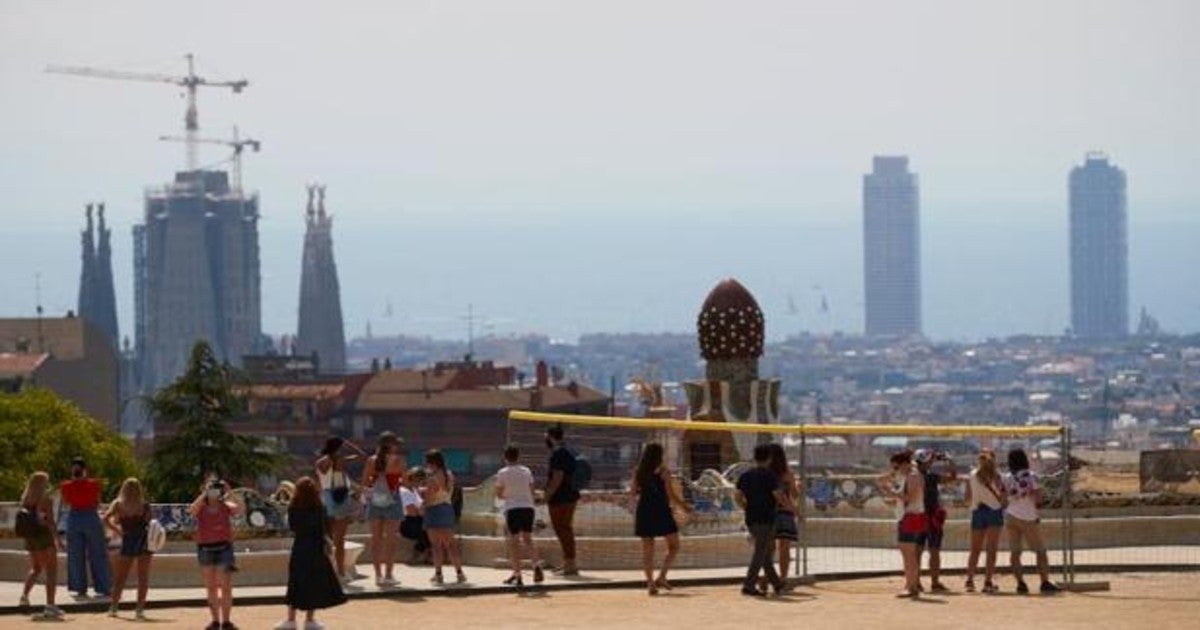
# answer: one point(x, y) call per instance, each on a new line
point(519, 520)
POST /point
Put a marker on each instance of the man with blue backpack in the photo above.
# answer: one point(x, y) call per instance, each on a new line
point(569, 473)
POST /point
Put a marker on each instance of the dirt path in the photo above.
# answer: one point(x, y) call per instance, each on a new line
point(1159, 601)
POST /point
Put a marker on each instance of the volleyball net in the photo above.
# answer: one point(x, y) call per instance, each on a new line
point(847, 525)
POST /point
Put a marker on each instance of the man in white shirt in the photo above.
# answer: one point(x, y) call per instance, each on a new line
point(514, 485)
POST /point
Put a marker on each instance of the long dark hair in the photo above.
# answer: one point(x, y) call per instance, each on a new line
point(778, 463)
point(651, 459)
point(306, 496)
point(434, 457)
point(387, 439)
point(1017, 460)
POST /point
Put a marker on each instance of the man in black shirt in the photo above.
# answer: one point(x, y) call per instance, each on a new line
point(758, 493)
point(562, 496)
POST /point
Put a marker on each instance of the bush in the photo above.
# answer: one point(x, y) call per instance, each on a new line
point(40, 431)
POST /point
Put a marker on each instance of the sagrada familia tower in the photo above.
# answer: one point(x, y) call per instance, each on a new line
point(320, 330)
point(97, 300)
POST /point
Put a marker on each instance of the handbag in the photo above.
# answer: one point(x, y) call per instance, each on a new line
point(381, 495)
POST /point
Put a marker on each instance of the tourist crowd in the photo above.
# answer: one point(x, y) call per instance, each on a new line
point(424, 504)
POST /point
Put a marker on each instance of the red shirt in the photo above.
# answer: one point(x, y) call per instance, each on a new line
point(213, 525)
point(81, 494)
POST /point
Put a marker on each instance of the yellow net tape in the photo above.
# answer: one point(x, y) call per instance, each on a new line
point(789, 429)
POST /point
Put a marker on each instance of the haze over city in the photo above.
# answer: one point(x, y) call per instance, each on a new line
point(575, 168)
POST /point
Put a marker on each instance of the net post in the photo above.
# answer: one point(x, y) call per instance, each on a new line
point(802, 507)
point(1068, 508)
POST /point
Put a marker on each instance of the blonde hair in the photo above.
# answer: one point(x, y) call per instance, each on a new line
point(35, 488)
point(987, 468)
point(131, 496)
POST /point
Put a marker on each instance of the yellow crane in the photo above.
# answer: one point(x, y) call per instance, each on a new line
point(191, 81)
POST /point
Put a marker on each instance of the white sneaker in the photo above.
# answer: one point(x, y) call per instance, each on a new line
point(52, 612)
point(24, 601)
point(139, 614)
point(112, 610)
point(286, 625)
point(314, 625)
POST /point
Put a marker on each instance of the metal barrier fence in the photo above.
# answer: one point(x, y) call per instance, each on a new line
point(846, 525)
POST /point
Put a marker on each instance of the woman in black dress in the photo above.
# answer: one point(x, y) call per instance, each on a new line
point(655, 493)
point(312, 582)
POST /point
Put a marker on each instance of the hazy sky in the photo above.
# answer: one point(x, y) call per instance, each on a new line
point(572, 167)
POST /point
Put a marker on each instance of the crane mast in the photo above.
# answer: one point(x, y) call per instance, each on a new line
point(191, 81)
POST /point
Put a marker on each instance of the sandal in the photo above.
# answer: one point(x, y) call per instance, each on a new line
point(652, 587)
point(663, 584)
point(969, 586)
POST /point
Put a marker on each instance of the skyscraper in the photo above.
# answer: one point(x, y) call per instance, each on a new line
point(892, 249)
point(97, 300)
point(1099, 250)
point(320, 328)
point(196, 274)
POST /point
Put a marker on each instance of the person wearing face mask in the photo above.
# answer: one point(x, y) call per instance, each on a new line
point(562, 496)
point(87, 547)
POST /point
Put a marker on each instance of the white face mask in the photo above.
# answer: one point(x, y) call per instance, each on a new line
point(213, 493)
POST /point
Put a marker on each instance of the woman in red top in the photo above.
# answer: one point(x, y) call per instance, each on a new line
point(214, 512)
point(87, 546)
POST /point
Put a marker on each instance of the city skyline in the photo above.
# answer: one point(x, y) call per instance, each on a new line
point(536, 132)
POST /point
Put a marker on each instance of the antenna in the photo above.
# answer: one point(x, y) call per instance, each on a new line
point(37, 296)
point(470, 331)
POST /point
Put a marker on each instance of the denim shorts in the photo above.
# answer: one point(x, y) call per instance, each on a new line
point(785, 526)
point(216, 555)
point(335, 510)
point(440, 516)
point(984, 517)
point(393, 512)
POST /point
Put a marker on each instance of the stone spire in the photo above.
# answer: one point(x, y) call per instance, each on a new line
point(105, 296)
point(87, 282)
point(97, 302)
point(320, 329)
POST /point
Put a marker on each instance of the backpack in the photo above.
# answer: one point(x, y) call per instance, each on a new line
point(581, 478)
point(27, 524)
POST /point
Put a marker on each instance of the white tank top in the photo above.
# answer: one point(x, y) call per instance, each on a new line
point(331, 479)
point(981, 494)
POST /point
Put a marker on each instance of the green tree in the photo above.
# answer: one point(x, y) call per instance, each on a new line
point(40, 431)
point(199, 406)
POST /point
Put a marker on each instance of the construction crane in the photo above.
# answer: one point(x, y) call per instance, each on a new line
point(237, 143)
point(191, 81)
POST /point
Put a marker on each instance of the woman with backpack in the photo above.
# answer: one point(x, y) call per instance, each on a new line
point(381, 481)
point(335, 489)
point(439, 516)
point(985, 493)
point(653, 517)
point(35, 523)
point(129, 516)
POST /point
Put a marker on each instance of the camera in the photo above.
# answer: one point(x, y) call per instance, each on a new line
point(216, 488)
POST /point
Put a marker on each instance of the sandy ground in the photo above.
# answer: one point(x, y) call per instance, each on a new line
point(1160, 601)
